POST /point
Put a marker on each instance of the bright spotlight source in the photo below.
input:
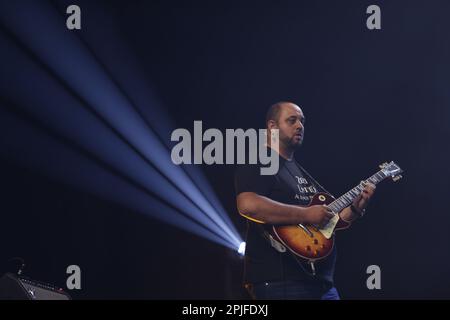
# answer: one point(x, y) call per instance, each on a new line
point(241, 249)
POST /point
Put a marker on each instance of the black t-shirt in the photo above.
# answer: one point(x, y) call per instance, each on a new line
point(291, 185)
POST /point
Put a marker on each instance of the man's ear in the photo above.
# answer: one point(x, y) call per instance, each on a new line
point(272, 124)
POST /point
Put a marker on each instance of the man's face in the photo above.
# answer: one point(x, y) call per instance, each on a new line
point(291, 125)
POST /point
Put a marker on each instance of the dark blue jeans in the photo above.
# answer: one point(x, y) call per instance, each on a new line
point(292, 290)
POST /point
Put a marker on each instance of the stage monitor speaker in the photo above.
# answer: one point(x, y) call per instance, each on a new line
point(13, 287)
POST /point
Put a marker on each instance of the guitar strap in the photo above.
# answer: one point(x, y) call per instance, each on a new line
point(314, 180)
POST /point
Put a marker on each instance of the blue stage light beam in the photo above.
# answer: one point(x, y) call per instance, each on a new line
point(66, 118)
point(23, 143)
point(104, 97)
point(104, 40)
point(118, 114)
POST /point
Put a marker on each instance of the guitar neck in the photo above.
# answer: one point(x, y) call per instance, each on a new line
point(346, 199)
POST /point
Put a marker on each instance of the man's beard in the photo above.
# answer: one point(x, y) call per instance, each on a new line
point(291, 143)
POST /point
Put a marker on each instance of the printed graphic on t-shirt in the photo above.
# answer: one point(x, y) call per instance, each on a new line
point(306, 191)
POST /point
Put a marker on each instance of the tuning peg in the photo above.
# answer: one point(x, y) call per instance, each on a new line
point(383, 165)
point(396, 178)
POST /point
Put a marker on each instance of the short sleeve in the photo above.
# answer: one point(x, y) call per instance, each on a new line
point(248, 178)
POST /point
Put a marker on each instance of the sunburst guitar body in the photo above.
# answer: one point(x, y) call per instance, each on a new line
point(307, 241)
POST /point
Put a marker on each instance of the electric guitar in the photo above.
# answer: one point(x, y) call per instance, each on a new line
point(312, 243)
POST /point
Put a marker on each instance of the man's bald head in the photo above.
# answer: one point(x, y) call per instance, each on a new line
point(289, 120)
point(275, 110)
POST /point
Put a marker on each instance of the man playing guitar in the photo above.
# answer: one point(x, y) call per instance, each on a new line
point(282, 199)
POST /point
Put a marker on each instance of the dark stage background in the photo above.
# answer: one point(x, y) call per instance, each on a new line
point(369, 97)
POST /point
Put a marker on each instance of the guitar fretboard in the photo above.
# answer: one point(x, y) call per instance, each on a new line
point(346, 199)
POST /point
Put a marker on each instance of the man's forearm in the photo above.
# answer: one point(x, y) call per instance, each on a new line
point(265, 210)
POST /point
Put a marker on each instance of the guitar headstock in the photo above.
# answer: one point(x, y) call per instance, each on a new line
point(392, 170)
